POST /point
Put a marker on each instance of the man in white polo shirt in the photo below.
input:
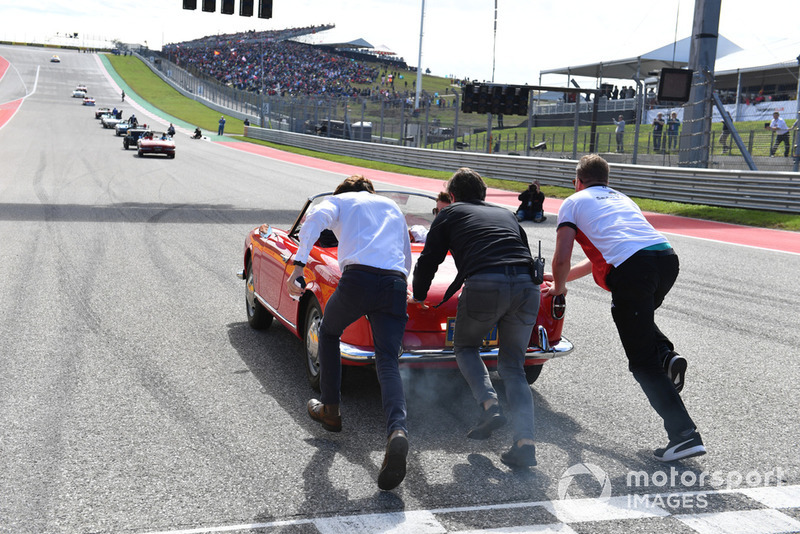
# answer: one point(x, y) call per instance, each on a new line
point(778, 125)
point(633, 261)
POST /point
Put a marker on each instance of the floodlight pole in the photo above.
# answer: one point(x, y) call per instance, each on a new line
point(419, 60)
point(694, 145)
point(797, 125)
point(494, 41)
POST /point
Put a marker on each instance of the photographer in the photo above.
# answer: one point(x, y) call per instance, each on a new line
point(532, 206)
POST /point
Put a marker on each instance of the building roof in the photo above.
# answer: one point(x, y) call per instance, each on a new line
point(355, 43)
point(671, 55)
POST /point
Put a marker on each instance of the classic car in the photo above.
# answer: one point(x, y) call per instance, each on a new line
point(428, 339)
point(55, 59)
point(79, 93)
point(88, 101)
point(121, 128)
point(156, 143)
point(99, 112)
point(109, 120)
point(133, 134)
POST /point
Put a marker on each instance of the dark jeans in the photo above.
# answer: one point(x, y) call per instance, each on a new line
point(782, 138)
point(511, 301)
point(638, 288)
point(657, 141)
point(672, 140)
point(382, 298)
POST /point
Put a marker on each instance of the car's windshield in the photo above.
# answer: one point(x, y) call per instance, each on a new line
point(416, 207)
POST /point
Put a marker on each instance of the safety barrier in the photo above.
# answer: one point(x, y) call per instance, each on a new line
point(772, 191)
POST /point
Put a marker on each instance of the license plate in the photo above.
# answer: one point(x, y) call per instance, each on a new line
point(489, 341)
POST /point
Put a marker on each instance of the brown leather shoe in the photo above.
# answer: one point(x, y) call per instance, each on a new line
point(393, 470)
point(327, 415)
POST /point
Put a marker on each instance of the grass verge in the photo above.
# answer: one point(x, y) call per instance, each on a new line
point(150, 87)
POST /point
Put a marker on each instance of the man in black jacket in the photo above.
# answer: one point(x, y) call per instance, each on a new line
point(494, 263)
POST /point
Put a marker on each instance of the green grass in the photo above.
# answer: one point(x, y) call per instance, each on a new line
point(160, 94)
point(150, 87)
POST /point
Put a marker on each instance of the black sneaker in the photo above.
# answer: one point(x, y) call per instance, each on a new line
point(675, 366)
point(681, 448)
point(491, 419)
point(519, 456)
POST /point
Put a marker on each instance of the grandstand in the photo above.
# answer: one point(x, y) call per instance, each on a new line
point(277, 63)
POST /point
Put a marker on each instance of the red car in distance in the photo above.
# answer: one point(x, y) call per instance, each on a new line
point(156, 143)
point(428, 339)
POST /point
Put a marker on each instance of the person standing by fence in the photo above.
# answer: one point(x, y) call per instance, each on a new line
point(620, 133)
point(673, 125)
point(778, 125)
point(658, 131)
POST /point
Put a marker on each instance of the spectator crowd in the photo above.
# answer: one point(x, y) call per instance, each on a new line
point(287, 67)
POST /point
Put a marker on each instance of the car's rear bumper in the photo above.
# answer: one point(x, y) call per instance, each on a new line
point(358, 355)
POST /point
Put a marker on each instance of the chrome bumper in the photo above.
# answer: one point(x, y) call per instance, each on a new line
point(355, 354)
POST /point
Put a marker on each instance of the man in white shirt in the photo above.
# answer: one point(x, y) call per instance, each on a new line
point(633, 261)
point(778, 125)
point(375, 260)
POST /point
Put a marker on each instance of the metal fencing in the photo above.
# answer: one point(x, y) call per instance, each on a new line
point(728, 188)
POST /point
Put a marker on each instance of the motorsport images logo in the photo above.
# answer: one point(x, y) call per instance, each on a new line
point(584, 469)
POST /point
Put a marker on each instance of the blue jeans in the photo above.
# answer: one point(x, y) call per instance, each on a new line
point(382, 298)
point(511, 301)
point(638, 287)
point(529, 215)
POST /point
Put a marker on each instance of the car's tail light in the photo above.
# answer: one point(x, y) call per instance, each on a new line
point(559, 307)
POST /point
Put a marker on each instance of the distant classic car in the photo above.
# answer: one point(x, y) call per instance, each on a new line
point(132, 136)
point(99, 112)
point(428, 339)
point(88, 101)
point(55, 59)
point(109, 120)
point(122, 128)
point(79, 93)
point(156, 143)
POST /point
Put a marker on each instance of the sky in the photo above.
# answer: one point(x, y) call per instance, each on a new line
point(458, 36)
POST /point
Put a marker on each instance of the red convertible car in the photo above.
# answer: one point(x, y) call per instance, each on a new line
point(428, 339)
point(156, 143)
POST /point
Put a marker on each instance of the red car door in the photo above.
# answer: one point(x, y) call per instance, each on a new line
point(270, 260)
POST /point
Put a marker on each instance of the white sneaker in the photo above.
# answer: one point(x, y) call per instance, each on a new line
point(681, 448)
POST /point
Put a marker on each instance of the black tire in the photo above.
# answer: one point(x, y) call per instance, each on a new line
point(257, 315)
point(140, 153)
point(172, 156)
point(532, 372)
point(311, 342)
point(125, 143)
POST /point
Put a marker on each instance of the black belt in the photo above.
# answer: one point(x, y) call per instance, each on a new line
point(662, 252)
point(374, 270)
point(509, 270)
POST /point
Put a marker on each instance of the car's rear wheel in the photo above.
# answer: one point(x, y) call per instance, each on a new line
point(172, 156)
point(125, 144)
point(532, 372)
point(140, 153)
point(257, 315)
point(311, 340)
